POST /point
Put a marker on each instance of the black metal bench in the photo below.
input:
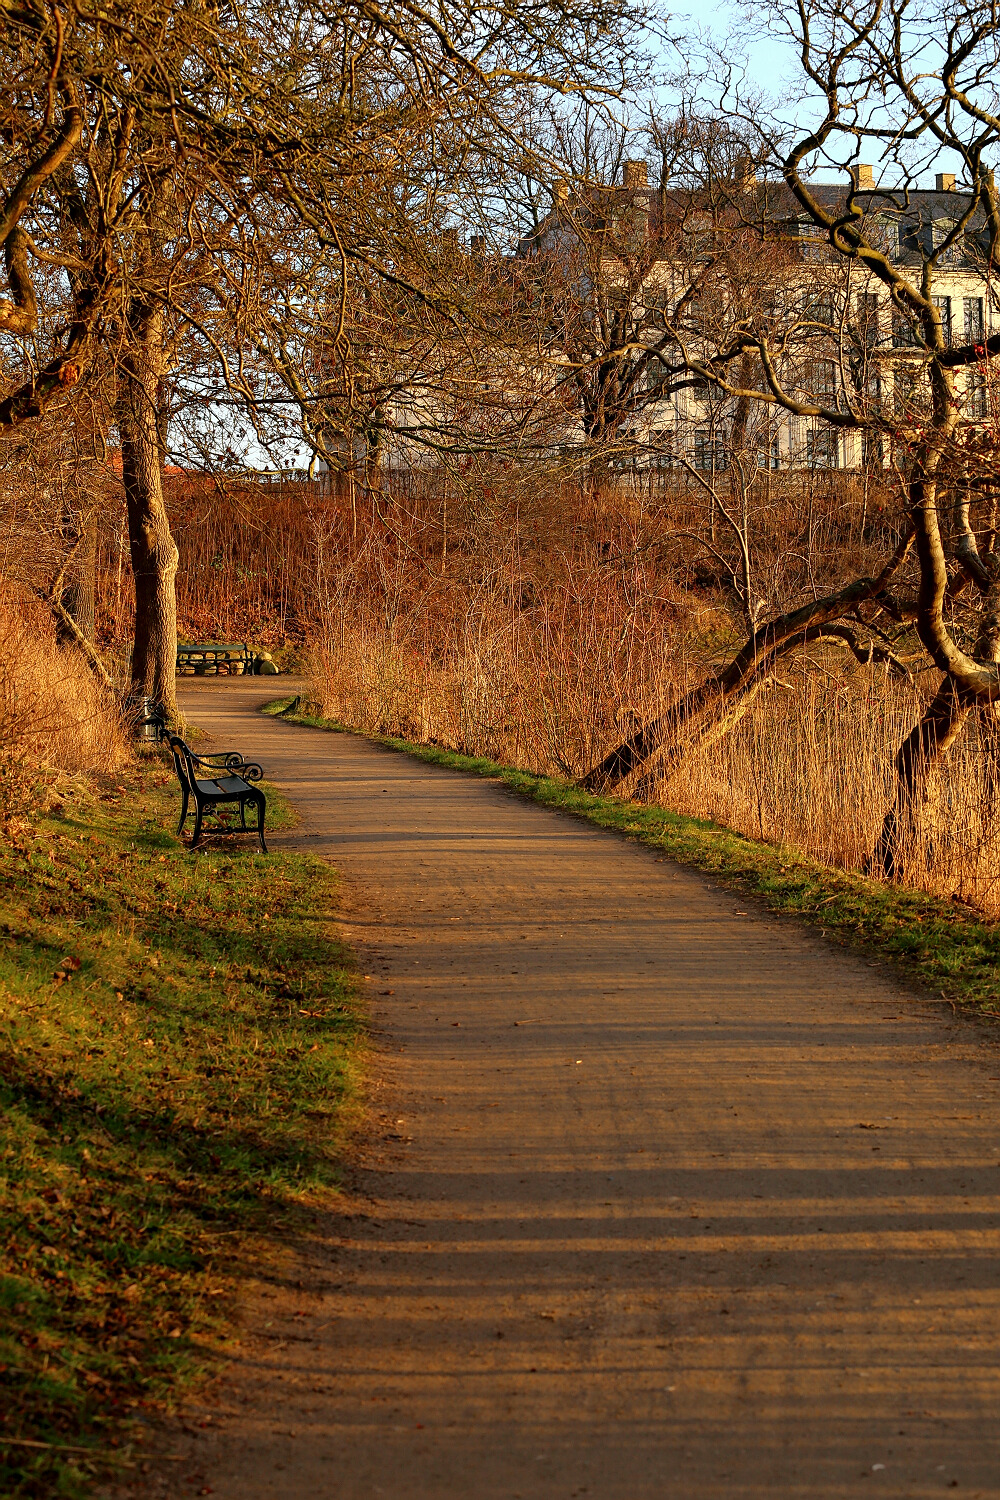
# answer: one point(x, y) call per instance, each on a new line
point(224, 778)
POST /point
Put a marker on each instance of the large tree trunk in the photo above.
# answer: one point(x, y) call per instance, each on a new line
point(151, 545)
point(942, 722)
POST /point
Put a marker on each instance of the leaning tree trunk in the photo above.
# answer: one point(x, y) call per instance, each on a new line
point(721, 691)
point(152, 548)
point(942, 722)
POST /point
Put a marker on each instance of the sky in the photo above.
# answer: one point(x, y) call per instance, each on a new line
point(772, 65)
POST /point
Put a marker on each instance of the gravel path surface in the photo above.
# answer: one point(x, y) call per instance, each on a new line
point(662, 1196)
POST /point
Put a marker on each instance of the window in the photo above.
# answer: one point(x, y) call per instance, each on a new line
point(943, 305)
point(977, 395)
point(819, 309)
point(658, 380)
point(823, 449)
point(907, 390)
point(814, 241)
point(661, 449)
point(872, 451)
point(885, 235)
point(769, 453)
point(933, 236)
point(622, 463)
point(822, 378)
point(904, 332)
point(975, 325)
point(868, 317)
point(709, 452)
point(658, 304)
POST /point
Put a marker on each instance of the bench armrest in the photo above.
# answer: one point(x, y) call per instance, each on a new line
point(230, 761)
point(249, 770)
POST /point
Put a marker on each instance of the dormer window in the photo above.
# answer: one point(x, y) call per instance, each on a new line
point(885, 235)
point(933, 237)
point(814, 240)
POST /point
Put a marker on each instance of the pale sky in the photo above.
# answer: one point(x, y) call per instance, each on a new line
point(773, 65)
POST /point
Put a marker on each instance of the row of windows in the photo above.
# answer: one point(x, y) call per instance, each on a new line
point(709, 453)
point(904, 334)
point(821, 381)
point(894, 239)
point(965, 316)
point(823, 449)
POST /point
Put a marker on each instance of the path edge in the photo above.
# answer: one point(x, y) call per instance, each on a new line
point(947, 948)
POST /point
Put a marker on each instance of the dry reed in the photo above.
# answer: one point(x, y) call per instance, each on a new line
point(536, 623)
point(54, 715)
point(541, 653)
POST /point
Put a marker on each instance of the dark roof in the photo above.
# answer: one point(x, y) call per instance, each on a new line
point(913, 208)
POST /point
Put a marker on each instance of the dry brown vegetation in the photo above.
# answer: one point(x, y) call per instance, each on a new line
point(534, 622)
point(54, 714)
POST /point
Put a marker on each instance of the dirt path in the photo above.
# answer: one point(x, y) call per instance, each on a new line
point(669, 1197)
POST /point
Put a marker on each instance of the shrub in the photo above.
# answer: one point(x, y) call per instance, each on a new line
point(54, 715)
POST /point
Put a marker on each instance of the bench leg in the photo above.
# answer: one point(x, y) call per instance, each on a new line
point(261, 805)
point(184, 809)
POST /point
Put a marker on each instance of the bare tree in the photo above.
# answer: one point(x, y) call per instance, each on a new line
point(155, 154)
point(878, 360)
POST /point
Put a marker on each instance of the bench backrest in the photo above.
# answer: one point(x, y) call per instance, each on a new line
point(183, 761)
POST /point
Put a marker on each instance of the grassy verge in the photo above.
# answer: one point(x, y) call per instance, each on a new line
point(179, 1046)
point(944, 945)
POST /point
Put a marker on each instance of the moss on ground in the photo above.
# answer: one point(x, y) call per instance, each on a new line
point(945, 945)
point(180, 1042)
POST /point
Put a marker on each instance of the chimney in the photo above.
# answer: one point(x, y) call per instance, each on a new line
point(635, 174)
point(746, 174)
point(477, 246)
point(945, 182)
point(560, 191)
point(861, 176)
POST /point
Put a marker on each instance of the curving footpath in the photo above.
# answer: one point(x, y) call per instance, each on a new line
point(662, 1196)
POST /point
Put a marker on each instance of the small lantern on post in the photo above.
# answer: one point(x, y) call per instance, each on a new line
point(149, 719)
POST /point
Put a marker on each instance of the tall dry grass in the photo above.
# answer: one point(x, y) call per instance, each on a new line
point(810, 765)
point(535, 623)
point(541, 648)
point(54, 715)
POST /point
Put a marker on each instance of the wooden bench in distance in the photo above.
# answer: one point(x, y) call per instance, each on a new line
point(213, 658)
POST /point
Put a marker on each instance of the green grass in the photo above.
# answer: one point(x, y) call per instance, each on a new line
point(180, 1041)
point(945, 945)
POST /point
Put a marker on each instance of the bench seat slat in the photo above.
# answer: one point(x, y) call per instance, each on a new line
point(227, 786)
